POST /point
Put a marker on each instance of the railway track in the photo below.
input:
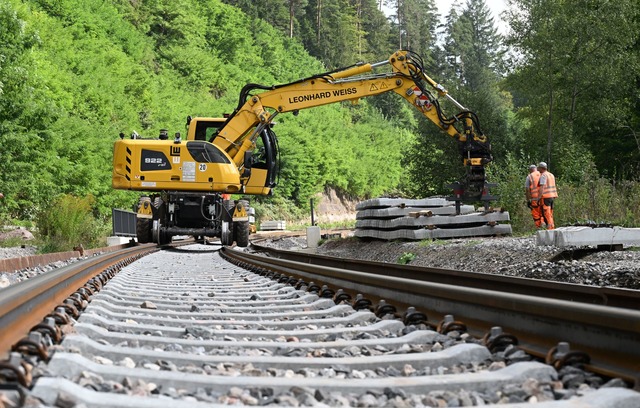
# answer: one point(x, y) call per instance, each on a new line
point(200, 326)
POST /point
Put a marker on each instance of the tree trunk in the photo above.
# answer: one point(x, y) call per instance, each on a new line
point(318, 21)
point(399, 15)
point(358, 26)
point(549, 126)
point(291, 13)
point(574, 98)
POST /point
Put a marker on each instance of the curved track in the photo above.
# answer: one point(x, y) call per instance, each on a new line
point(603, 322)
point(186, 327)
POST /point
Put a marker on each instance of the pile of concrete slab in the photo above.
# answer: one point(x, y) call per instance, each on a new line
point(273, 225)
point(588, 236)
point(428, 218)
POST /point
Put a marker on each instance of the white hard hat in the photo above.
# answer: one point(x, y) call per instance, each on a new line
point(543, 165)
point(533, 166)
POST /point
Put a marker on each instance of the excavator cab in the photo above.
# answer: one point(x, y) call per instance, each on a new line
point(260, 168)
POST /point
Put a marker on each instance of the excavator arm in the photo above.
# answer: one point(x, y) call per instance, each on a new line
point(259, 105)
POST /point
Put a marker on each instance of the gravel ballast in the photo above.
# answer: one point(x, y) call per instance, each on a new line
point(511, 256)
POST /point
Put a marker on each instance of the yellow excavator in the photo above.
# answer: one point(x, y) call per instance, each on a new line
point(191, 179)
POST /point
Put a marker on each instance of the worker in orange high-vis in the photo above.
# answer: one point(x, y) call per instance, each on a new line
point(531, 192)
point(547, 193)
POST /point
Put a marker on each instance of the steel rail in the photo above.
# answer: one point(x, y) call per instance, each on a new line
point(609, 335)
point(609, 296)
point(25, 304)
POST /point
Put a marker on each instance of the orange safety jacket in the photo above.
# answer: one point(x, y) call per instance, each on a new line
point(549, 187)
point(533, 184)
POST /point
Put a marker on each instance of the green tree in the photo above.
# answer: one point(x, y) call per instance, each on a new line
point(415, 26)
point(376, 30)
point(73, 77)
point(24, 116)
point(470, 68)
point(576, 78)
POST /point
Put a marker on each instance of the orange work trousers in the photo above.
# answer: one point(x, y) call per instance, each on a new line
point(547, 212)
point(536, 213)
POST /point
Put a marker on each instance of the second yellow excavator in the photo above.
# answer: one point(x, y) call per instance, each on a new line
point(192, 178)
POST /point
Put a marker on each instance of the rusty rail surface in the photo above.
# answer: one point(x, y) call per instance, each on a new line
point(24, 305)
point(605, 337)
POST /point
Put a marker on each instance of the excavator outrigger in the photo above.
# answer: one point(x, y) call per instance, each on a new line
point(191, 178)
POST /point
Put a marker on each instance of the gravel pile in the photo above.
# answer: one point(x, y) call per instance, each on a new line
point(512, 256)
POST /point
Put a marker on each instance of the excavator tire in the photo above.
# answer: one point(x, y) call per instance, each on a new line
point(227, 230)
point(242, 228)
point(143, 225)
point(143, 230)
point(242, 233)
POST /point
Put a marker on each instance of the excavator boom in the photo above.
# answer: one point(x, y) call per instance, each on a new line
point(260, 104)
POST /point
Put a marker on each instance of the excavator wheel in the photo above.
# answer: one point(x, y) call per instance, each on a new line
point(242, 229)
point(242, 233)
point(227, 230)
point(143, 230)
point(143, 225)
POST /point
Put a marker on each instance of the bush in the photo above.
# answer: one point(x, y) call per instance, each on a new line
point(67, 222)
point(590, 199)
point(510, 175)
point(599, 200)
point(278, 208)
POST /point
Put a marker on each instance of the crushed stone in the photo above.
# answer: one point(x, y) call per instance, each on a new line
point(510, 256)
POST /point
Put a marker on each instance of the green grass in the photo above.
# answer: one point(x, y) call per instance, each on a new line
point(13, 242)
point(345, 224)
point(406, 258)
point(432, 242)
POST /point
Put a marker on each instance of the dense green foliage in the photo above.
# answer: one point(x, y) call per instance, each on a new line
point(67, 222)
point(74, 77)
point(562, 86)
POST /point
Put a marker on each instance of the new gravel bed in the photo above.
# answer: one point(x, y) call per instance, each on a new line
point(512, 256)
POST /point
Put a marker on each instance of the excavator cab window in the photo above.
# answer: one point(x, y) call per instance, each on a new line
point(259, 156)
point(206, 130)
point(206, 153)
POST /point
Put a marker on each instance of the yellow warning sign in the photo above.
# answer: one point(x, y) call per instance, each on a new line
point(378, 86)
